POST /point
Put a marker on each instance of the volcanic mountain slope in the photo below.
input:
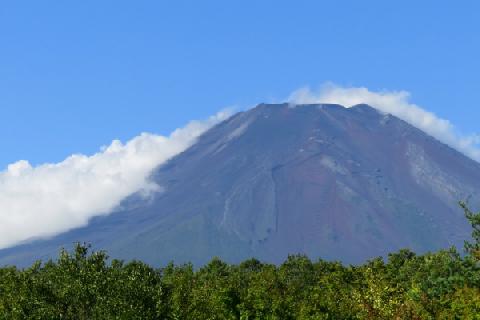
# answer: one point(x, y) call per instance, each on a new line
point(331, 182)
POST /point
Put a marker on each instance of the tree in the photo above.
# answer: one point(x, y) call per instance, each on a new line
point(473, 248)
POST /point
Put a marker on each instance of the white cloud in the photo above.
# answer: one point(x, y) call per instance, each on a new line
point(52, 198)
point(396, 103)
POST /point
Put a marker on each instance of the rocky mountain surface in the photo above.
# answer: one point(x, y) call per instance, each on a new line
point(338, 183)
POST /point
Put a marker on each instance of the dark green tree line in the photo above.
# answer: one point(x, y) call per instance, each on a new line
point(85, 284)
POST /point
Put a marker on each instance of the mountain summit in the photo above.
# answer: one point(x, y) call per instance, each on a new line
point(332, 182)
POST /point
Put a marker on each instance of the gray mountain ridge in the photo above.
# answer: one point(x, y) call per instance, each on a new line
point(336, 183)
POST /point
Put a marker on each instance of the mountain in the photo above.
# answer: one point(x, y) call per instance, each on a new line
point(332, 182)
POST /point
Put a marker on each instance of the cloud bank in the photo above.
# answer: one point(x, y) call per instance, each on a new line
point(396, 103)
point(52, 198)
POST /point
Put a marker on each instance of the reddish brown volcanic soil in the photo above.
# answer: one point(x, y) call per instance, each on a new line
point(330, 182)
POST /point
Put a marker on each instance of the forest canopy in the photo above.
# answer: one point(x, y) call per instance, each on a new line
point(86, 284)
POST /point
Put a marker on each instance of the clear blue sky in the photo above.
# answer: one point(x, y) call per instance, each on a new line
point(76, 74)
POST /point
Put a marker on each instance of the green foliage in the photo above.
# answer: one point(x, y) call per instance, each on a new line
point(473, 248)
point(84, 284)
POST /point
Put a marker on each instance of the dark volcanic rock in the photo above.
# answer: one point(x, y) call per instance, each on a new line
point(324, 180)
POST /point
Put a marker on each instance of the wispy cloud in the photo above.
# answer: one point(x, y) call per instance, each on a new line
point(52, 198)
point(398, 104)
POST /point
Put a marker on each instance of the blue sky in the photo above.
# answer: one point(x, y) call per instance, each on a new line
point(74, 75)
